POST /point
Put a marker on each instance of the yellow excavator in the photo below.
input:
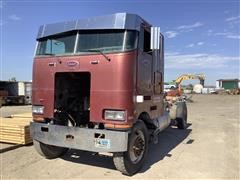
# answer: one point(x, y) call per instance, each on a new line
point(201, 77)
point(178, 91)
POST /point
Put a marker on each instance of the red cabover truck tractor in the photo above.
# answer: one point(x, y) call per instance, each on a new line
point(98, 86)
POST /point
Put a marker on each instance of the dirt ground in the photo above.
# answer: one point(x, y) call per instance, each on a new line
point(208, 149)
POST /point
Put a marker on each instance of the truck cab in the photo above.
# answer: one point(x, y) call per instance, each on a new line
point(98, 86)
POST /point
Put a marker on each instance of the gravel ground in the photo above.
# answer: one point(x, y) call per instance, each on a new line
point(208, 149)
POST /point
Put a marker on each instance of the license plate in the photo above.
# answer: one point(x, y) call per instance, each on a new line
point(102, 143)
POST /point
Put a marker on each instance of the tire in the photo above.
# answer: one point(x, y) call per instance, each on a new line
point(49, 151)
point(181, 115)
point(132, 160)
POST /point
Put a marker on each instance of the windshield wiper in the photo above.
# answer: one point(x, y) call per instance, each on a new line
point(104, 55)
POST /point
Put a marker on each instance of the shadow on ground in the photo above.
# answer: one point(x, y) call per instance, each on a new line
point(5, 147)
point(89, 158)
point(168, 140)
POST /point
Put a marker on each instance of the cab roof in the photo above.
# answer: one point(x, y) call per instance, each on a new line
point(113, 21)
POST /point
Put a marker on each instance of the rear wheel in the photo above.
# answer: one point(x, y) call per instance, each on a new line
point(181, 115)
point(49, 151)
point(132, 160)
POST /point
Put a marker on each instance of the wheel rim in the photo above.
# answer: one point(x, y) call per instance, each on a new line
point(137, 147)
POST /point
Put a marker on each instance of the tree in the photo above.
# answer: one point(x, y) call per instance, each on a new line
point(13, 79)
point(189, 86)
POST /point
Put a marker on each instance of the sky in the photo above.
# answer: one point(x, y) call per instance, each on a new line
point(201, 36)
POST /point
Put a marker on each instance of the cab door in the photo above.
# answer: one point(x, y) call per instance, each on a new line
point(158, 61)
point(145, 63)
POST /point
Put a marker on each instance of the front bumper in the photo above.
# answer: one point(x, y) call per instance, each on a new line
point(96, 140)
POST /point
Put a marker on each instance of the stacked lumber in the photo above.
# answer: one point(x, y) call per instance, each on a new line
point(16, 129)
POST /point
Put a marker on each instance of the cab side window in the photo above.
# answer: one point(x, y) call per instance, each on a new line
point(146, 41)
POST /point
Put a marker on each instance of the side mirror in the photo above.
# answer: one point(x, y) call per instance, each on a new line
point(155, 38)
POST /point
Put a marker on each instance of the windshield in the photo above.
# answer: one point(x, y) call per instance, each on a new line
point(56, 45)
point(105, 41)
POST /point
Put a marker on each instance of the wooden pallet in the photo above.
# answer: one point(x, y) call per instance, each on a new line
point(16, 129)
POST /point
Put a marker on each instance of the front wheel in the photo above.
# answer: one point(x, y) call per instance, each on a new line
point(49, 151)
point(132, 160)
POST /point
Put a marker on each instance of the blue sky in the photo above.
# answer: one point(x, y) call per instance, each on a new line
point(200, 36)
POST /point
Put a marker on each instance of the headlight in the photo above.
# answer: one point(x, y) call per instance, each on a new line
point(114, 115)
point(37, 109)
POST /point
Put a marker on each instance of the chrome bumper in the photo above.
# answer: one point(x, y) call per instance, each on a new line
point(95, 140)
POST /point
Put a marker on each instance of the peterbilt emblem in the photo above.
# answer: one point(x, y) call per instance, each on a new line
point(72, 63)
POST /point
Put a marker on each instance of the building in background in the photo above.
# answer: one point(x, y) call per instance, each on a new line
point(15, 92)
point(228, 83)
